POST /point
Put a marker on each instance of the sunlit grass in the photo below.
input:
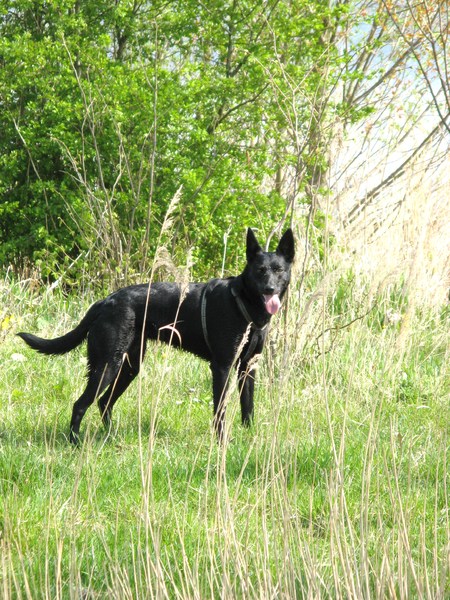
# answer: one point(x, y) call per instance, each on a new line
point(339, 489)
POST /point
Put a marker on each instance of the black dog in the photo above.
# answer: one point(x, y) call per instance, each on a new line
point(223, 321)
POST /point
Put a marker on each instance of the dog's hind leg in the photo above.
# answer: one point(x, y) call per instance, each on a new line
point(97, 382)
point(113, 393)
point(109, 342)
point(130, 367)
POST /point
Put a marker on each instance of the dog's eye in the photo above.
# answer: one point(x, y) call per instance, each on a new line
point(262, 270)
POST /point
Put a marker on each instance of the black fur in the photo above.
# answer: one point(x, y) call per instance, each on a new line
point(118, 327)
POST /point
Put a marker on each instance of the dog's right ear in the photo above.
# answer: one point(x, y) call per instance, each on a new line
point(253, 248)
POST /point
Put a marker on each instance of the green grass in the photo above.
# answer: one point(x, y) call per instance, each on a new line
point(338, 491)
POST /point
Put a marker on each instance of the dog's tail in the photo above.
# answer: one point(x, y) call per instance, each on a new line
point(67, 342)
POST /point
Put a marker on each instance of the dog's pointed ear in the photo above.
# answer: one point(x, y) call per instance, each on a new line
point(286, 245)
point(252, 245)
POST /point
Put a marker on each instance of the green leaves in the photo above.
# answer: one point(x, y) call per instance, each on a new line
point(106, 109)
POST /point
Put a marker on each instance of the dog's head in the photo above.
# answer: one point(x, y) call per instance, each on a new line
point(267, 274)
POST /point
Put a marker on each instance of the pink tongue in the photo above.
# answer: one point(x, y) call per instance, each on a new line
point(272, 303)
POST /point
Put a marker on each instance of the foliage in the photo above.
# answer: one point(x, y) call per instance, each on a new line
point(251, 109)
point(108, 108)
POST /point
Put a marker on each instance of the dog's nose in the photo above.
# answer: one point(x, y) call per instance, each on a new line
point(269, 289)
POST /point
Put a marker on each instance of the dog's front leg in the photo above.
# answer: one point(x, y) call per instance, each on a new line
point(220, 375)
point(246, 377)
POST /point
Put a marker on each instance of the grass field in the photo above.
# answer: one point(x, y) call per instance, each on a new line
point(340, 490)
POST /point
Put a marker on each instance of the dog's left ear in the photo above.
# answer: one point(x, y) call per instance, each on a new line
point(252, 245)
point(286, 245)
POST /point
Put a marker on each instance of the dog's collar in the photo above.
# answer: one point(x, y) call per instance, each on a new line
point(244, 312)
point(242, 308)
point(253, 341)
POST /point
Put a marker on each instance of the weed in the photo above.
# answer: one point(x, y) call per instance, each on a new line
point(339, 490)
